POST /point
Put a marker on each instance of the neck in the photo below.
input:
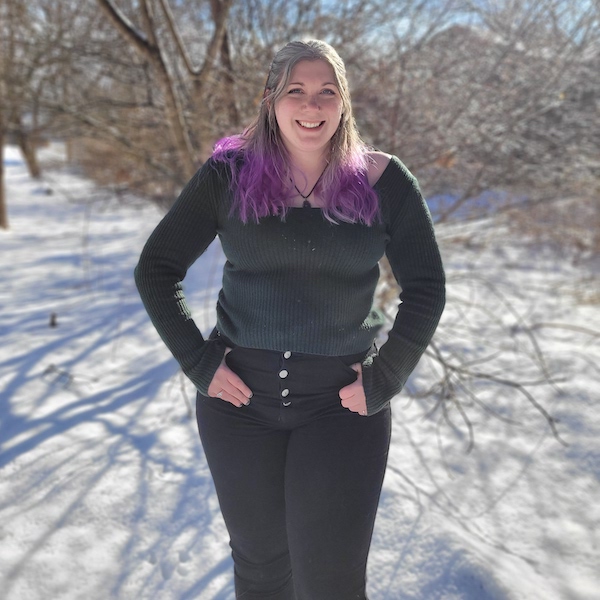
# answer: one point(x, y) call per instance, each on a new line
point(308, 163)
point(306, 170)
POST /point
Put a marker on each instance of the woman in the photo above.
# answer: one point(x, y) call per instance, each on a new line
point(293, 397)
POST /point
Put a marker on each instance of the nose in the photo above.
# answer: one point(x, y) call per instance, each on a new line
point(312, 101)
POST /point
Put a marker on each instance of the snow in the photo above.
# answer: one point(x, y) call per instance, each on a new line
point(104, 490)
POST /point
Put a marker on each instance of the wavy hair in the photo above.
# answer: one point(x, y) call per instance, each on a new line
point(259, 160)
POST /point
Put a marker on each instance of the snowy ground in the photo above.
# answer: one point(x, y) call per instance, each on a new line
point(104, 491)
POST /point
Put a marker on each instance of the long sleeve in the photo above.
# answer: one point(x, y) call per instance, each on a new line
point(417, 266)
point(178, 240)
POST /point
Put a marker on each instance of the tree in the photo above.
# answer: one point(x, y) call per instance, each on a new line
point(474, 108)
point(7, 45)
point(36, 60)
point(150, 49)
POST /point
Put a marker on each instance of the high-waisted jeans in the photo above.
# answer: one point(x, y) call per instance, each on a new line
point(298, 476)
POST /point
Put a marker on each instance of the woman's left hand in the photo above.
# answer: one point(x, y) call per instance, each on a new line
point(353, 395)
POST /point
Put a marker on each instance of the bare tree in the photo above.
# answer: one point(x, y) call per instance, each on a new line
point(3, 210)
point(493, 101)
point(474, 97)
point(497, 110)
point(146, 40)
point(26, 58)
point(7, 46)
point(36, 59)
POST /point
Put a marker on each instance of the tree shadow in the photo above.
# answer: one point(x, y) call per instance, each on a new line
point(89, 410)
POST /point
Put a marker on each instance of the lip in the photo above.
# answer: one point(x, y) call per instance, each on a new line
point(317, 128)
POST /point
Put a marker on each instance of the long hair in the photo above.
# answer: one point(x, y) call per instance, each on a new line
point(260, 166)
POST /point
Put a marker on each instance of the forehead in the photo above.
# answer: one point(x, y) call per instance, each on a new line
point(312, 71)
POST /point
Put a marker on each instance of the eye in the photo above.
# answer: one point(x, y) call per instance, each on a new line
point(328, 92)
point(296, 91)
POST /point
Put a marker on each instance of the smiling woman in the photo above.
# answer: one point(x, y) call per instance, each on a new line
point(308, 115)
point(293, 404)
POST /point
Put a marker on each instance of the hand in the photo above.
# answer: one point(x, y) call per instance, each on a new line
point(353, 395)
point(227, 386)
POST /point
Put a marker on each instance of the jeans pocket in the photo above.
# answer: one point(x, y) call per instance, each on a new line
point(347, 368)
point(230, 357)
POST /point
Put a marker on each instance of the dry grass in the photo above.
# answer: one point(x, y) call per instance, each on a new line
point(111, 167)
point(570, 227)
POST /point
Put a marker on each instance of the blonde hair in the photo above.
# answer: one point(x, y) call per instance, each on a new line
point(346, 139)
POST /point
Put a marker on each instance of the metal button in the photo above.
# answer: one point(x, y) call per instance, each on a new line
point(283, 374)
point(286, 403)
point(287, 354)
point(285, 392)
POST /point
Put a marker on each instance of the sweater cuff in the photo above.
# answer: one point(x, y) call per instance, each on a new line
point(202, 373)
point(380, 386)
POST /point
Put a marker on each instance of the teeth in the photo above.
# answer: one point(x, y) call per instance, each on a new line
point(309, 125)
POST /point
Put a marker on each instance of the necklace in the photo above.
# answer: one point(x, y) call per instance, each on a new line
point(306, 203)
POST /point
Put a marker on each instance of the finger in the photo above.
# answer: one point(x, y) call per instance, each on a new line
point(353, 396)
point(359, 408)
point(232, 399)
point(348, 392)
point(228, 386)
point(348, 402)
point(239, 386)
point(232, 395)
point(235, 396)
point(237, 382)
point(352, 390)
point(355, 404)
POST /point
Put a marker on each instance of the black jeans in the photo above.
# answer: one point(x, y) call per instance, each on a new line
point(298, 477)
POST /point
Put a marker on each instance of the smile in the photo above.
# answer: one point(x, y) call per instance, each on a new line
point(309, 125)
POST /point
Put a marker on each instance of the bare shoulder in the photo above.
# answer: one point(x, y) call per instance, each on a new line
point(378, 162)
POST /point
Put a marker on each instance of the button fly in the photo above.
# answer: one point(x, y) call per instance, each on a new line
point(287, 354)
point(286, 403)
point(283, 374)
point(285, 392)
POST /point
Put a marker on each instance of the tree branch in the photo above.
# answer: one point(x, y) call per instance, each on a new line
point(126, 28)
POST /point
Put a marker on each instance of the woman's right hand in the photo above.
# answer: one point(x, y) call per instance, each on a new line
point(226, 385)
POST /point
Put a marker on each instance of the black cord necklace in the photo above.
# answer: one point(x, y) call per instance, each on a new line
point(306, 203)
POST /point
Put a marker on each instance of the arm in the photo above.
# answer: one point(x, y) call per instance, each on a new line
point(417, 266)
point(178, 240)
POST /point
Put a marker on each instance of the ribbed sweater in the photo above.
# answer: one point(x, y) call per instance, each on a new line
point(301, 283)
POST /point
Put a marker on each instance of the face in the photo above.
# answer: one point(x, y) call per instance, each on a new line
point(309, 111)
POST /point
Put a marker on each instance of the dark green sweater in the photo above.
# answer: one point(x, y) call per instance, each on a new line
point(302, 284)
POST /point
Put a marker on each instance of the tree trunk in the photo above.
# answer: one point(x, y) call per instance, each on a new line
point(152, 53)
point(28, 150)
point(229, 82)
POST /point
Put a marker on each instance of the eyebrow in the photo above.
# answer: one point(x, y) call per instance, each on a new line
point(300, 83)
